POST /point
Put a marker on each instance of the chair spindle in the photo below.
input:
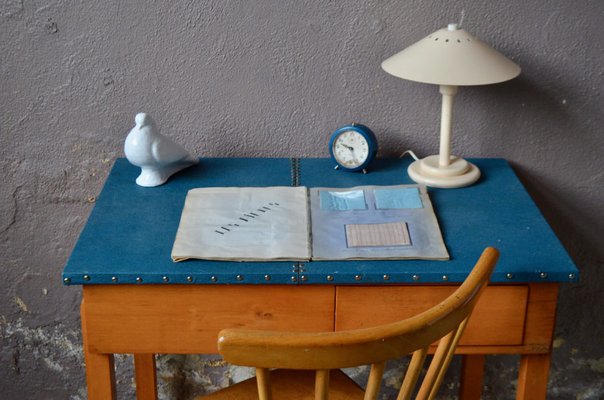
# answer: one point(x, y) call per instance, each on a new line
point(413, 371)
point(375, 380)
point(263, 378)
point(322, 384)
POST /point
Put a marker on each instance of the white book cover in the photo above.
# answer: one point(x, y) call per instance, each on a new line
point(244, 223)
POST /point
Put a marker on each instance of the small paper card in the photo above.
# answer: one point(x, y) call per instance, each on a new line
point(342, 201)
point(397, 198)
point(365, 235)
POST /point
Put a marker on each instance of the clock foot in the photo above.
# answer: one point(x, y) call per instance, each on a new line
point(336, 167)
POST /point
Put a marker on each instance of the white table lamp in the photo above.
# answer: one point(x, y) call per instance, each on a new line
point(450, 57)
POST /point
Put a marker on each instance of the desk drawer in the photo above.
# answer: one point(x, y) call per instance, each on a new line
point(187, 319)
point(498, 319)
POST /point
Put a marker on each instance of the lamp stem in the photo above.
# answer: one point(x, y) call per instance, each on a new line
point(446, 123)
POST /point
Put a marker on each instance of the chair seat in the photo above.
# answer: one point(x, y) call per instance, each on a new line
point(291, 385)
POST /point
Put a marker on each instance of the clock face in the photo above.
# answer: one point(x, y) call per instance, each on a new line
point(350, 149)
point(353, 147)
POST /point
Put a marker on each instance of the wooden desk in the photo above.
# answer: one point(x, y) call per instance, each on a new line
point(135, 300)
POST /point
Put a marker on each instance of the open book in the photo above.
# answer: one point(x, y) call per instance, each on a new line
point(298, 224)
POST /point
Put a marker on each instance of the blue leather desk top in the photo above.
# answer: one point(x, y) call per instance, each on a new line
point(131, 229)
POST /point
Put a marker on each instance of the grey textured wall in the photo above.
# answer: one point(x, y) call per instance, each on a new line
point(275, 78)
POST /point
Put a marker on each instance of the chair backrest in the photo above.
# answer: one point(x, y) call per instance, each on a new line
point(444, 322)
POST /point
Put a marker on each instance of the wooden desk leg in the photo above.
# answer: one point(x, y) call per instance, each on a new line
point(539, 330)
point(472, 372)
point(146, 378)
point(532, 376)
point(100, 376)
point(100, 368)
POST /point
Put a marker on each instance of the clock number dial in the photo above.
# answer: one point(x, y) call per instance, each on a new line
point(353, 147)
point(350, 149)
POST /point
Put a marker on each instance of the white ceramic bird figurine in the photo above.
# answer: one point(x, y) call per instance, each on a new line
point(158, 156)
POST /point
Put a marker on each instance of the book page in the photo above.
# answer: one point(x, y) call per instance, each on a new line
point(245, 224)
point(374, 222)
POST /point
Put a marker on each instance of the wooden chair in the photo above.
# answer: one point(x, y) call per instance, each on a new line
point(301, 359)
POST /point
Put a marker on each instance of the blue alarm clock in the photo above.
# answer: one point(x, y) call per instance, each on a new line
point(353, 147)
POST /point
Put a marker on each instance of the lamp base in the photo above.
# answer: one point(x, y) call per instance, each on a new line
point(459, 173)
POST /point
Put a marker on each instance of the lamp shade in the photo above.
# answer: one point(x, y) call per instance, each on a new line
point(451, 56)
